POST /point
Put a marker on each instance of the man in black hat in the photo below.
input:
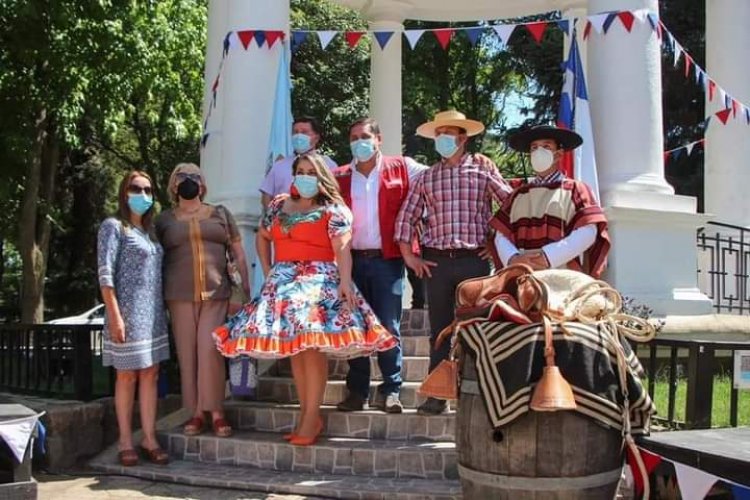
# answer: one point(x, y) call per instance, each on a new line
point(553, 221)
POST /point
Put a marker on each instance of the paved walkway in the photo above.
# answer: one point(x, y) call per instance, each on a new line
point(94, 487)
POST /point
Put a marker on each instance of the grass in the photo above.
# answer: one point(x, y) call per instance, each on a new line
point(720, 404)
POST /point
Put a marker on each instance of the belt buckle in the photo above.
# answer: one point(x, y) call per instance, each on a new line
point(452, 253)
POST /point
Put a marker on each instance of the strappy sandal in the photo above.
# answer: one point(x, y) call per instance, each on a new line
point(222, 428)
point(193, 427)
point(127, 458)
point(155, 455)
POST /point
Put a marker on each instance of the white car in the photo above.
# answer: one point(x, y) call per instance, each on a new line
point(93, 316)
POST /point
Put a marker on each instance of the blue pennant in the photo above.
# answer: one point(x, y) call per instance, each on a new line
point(740, 492)
point(260, 37)
point(226, 43)
point(474, 34)
point(707, 121)
point(608, 22)
point(677, 153)
point(653, 19)
point(564, 25)
point(298, 38)
point(747, 115)
point(204, 140)
point(382, 37)
point(727, 101)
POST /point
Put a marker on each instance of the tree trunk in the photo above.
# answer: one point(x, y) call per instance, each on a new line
point(34, 229)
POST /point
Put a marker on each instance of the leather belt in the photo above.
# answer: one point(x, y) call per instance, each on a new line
point(452, 253)
point(374, 253)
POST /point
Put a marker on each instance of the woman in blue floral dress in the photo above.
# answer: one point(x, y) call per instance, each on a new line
point(308, 307)
point(135, 327)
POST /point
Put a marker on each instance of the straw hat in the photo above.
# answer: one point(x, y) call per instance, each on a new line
point(567, 139)
point(450, 119)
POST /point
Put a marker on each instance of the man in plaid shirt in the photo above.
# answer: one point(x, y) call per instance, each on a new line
point(456, 194)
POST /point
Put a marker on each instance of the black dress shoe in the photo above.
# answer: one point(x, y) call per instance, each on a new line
point(432, 407)
point(352, 402)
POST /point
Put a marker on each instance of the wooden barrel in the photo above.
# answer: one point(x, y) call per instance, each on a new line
point(540, 455)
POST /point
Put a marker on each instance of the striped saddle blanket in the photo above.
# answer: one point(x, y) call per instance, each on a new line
point(510, 358)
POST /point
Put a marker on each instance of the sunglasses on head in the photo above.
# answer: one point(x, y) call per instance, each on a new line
point(147, 190)
point(184, 175)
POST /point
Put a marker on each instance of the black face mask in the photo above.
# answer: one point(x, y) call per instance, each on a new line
point(188, 189)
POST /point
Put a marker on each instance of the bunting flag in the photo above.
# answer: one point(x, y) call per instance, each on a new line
point(597, 21)
point(564, 25)
point(260, 38)
point(352, 38)
point(273, 36)
point(413, 37)
point(608, 22)
point(650, 461)
point(245, 38)
point(325, 37)
point(537, 31)
point(474, 34)
point(740, 492)
point(575, 115)
point(723, 115)
point(504, 31)
point(298, 38)
point(694, 483)
point(444, 36)
point(383, 37)
point(675, 153)
point(627, 18)
point(17, 433)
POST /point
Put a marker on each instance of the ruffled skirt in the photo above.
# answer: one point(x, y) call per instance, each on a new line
point(299, 308)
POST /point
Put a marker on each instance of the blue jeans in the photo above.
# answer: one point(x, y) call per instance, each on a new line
point(381, 282)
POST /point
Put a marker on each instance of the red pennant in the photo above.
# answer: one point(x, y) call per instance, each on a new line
point(587, 30)
point(723, 115)
point(666, 159)
point(352, 38)
point(246, 37)
point(215, 85)
point(444, 36)
point(537, 31)
point(650, 460)
point(627, 19)
point(735, 105)
point(688, 62)
point(273, 36)
point(711, 89)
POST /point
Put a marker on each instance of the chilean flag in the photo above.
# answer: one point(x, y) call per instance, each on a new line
point(574, 115)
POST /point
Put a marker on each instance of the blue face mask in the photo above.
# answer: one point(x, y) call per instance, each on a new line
point(139, 203)
point(446, 145)
point(362, 149)
point(307, 185)
point(301, 143)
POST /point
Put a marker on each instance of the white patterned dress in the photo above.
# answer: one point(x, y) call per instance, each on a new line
point(131, 262)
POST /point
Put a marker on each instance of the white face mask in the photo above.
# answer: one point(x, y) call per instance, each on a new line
point(541, 160)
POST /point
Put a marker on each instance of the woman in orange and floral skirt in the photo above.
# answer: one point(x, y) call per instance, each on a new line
point(308, 307)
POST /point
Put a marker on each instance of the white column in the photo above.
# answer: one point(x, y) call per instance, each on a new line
point(385, 80)
point(727, 169)
point(653, 231)
point(234, 159)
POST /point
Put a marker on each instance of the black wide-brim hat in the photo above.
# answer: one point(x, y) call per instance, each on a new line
point(566, 139)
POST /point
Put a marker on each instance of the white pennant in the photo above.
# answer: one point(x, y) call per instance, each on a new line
point(325, 37)
point(597, 21)
point(722, 96)
point(689, 148)
point(694, 483)
point(504, 31)
point(234, 40)
point(17, 433)
point(641, 15)
point(413, 37)
point(677, 52)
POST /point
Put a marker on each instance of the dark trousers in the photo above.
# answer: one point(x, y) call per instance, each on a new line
point(441, 293)
point(419, 289)
point(381, 282)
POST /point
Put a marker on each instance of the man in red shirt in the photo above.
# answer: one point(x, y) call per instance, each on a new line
point(456, 194)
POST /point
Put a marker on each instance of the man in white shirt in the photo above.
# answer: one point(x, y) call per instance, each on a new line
point(375, 186)
point(306, 134)
point(552, 221)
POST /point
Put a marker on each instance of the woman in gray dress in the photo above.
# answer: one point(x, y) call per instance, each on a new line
point(135, 327)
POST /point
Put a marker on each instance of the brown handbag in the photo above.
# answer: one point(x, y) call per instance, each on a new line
point(442, 382)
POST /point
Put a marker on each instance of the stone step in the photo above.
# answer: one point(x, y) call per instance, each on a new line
point(291, 483)
point(330, 455)
point(368, 424)
point(413, 369)
point(282, 390)
point(417, 346)
point(414, 323)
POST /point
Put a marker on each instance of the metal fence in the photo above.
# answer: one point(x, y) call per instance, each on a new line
point(698, 361)
point(724, 265)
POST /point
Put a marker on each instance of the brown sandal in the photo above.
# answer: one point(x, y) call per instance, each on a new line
point(222, 428)
point(193, 427)
point(127, 458)
point(155, 455)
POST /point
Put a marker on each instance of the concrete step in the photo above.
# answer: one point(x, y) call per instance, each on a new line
point(413, 369)
point(282, 390)
point(291, 483)
point(368, 424)
point(415, 323)
point(417, 346)
point(330, 455)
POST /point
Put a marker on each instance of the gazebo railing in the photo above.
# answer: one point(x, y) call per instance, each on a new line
point(724, 266)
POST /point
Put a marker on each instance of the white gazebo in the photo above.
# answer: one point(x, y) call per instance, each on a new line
point(653, 230)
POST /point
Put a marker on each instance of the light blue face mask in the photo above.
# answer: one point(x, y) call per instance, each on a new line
point(446, 145)
point(363, 149)
point(301, 143)
point(307, 185)
point(139, 203)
